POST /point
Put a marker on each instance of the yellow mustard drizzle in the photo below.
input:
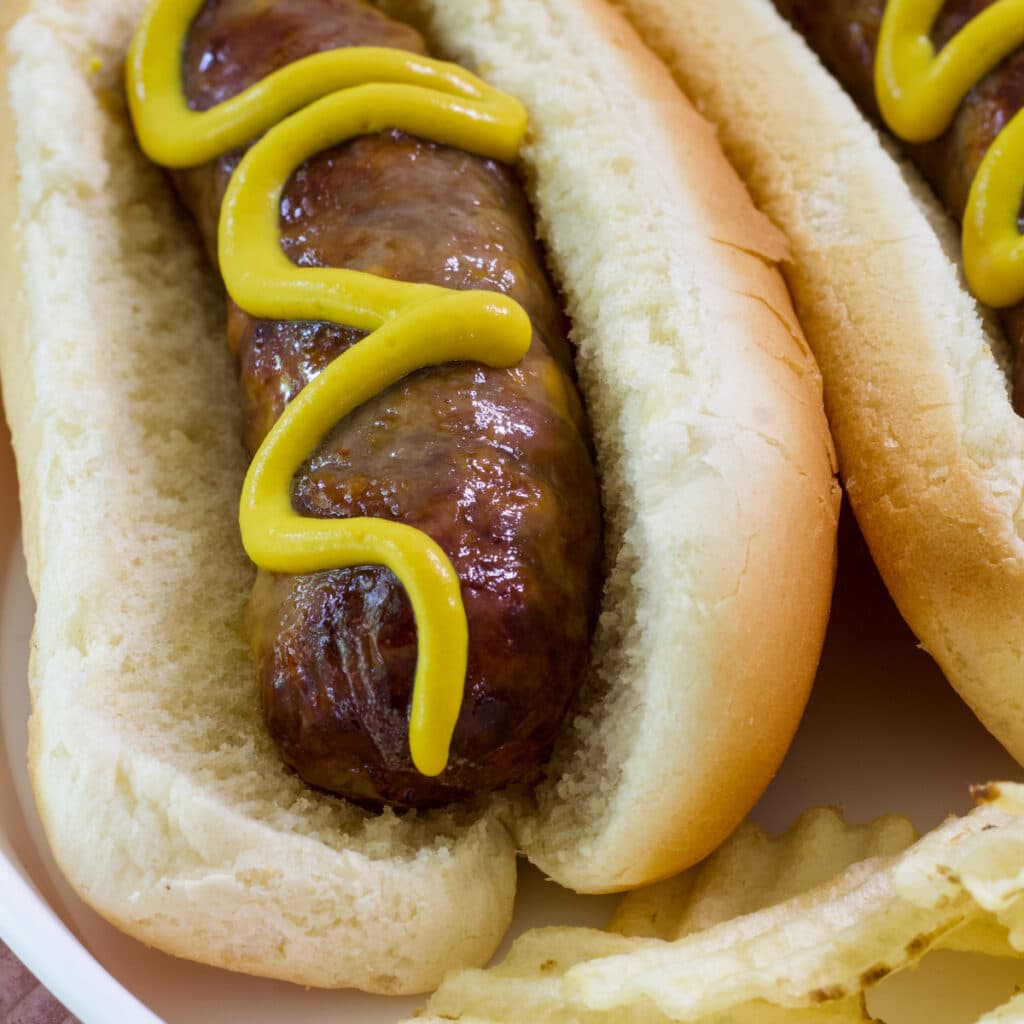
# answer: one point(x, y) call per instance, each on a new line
point(367, 89)
point(918, 93)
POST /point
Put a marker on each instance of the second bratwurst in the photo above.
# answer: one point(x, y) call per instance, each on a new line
point(844, 33)
point(492, 464)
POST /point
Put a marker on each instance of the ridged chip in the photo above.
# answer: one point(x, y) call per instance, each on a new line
point(528, 987)
point(754, 870)
point(1011, 1012)
point(736, 939)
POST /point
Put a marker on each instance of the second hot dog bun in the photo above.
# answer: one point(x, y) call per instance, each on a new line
point(160, 793)
point(916, 381)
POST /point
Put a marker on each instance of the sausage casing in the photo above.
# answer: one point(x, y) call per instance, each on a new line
point(493, 464)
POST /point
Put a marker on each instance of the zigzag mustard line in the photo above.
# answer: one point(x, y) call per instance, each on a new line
point(304, 108)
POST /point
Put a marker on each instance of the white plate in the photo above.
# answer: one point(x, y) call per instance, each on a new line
point(883, 733)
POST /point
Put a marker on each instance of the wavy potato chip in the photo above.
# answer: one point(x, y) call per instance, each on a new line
point(736, 940)
point(1011, 1012)
point(754, 870)
point(528, 988)
point(848, 1012)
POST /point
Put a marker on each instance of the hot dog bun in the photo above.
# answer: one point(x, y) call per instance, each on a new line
point(916, 385)
point(161, 796)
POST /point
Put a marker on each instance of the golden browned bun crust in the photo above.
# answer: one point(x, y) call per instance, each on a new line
point(930, 449)
point(160, 793)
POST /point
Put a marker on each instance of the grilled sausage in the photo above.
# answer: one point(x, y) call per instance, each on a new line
point(494, 465)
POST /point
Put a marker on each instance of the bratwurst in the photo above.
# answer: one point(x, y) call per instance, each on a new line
point(492, 464)
point(844, 34)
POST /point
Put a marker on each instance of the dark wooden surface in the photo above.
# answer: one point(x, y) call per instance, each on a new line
point(22, 999)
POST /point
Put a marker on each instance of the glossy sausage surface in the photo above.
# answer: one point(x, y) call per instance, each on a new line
point(495, 465)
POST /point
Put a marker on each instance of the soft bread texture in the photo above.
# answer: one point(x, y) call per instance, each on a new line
point(930, 449)
point(162, 797)
point(717, 477)
point(158, 789)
